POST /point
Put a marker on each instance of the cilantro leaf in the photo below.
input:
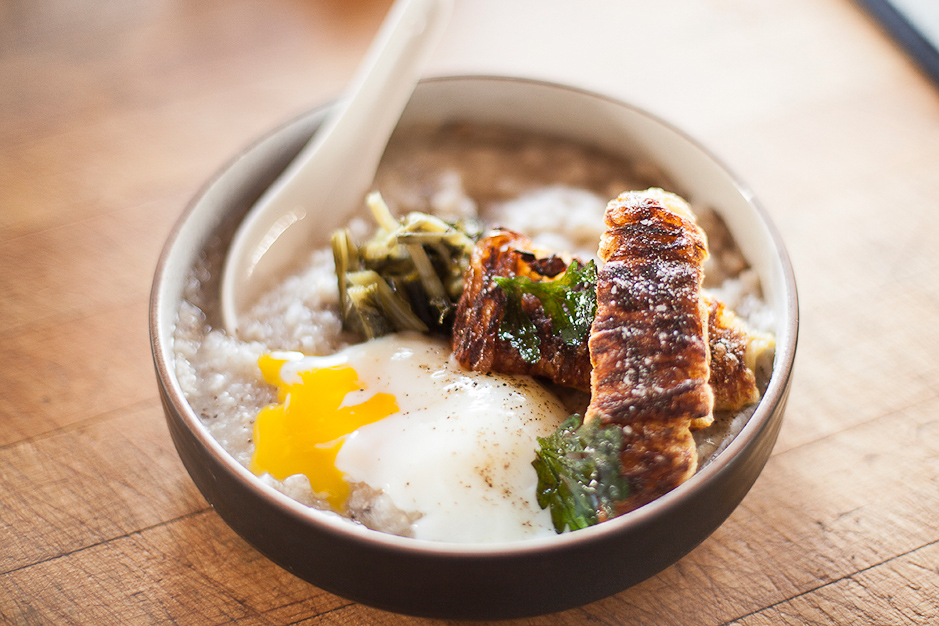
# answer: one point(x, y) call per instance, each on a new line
point(570, 302)
point(578, 468)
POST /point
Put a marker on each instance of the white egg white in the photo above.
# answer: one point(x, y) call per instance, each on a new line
point(460, 448)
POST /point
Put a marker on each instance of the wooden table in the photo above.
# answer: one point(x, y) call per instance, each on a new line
point(112, 114)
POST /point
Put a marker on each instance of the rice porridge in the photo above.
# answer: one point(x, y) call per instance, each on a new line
point(553, 191)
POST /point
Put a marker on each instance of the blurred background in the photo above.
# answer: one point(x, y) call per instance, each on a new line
point(113, 113)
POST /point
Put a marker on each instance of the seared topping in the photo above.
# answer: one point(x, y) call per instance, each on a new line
point(649, 345)
point(731, 374)
point(733, 382)
point(660, 357)
point(482, 342)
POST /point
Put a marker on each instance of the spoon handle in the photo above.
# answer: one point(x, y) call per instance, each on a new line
point(334, 170)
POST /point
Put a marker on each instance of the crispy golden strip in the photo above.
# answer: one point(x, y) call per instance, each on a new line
point(733, 382)
point(475, 340)
point(649, 340)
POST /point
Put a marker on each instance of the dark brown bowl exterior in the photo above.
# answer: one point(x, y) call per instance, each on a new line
point(458, 585)
point(423, 578)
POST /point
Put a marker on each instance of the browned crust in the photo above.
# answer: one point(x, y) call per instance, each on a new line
point(733, 382)
point(649, 342)
point(505, 254)
point(662, 355)
point(475, 340)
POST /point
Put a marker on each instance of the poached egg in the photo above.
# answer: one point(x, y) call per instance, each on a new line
point(451, 448)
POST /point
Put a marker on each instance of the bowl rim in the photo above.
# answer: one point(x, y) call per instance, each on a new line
point(776, 391)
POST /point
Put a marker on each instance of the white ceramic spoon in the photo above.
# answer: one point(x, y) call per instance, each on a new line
point(334, 170)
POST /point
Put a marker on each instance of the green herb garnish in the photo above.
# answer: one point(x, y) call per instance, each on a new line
point(578, 469)
point(570, 302)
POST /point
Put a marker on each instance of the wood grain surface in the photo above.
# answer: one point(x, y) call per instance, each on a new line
point(114, 113)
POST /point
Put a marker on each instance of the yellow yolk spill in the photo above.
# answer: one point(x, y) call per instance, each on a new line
point(303, 433)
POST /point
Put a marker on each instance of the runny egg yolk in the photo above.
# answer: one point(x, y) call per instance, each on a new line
point(303, 433)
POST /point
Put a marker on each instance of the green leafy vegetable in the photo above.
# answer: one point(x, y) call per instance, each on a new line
point(578, 469)
point(569, 301)
point(517, 328)
point(374, 307)
point(407, 276)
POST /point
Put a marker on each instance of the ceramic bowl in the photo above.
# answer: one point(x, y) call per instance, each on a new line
point(485, 581)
